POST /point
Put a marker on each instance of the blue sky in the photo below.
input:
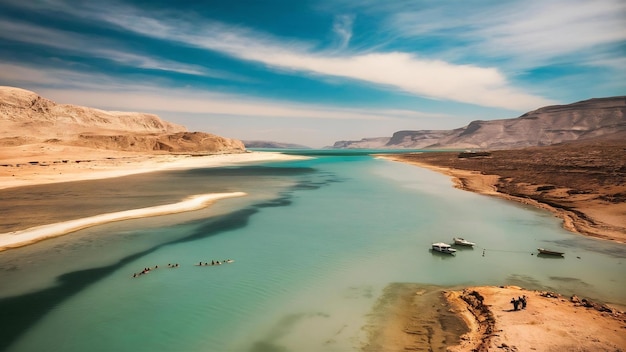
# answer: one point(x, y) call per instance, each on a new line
point(315, 72)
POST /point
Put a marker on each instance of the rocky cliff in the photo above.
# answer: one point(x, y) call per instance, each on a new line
point(545, 126)
point(27, 118)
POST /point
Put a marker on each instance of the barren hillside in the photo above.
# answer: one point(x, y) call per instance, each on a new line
point(28, 119)
point(544, 126)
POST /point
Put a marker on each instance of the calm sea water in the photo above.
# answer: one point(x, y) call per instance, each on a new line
point(314, 244)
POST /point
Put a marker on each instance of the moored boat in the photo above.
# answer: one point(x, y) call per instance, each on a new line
point(463, 242)
point(443, 248)
point(550, 252)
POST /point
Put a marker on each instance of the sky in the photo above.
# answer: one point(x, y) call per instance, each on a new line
point(315, 72)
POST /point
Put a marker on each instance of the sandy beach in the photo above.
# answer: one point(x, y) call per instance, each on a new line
point(44, 164)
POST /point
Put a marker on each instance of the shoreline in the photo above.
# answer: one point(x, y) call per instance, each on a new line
point(53, 168)
point(411, 316)
point(475, 181)
point(16, 239)
point(549, 322)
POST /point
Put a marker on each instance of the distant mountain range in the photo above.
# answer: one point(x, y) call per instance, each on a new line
point(270, 144)
point(27, 118)
point(593, 118)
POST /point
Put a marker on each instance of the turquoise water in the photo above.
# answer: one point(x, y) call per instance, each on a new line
point(314, 244)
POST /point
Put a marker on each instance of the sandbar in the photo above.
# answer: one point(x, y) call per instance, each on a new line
point(32, 165)
point(31, 235)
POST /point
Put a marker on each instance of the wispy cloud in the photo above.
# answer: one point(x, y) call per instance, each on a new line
point(526, 33)
point(106, 92)
point(72, 42)
point(141, 98)
point(342, 27)
point(434, 79)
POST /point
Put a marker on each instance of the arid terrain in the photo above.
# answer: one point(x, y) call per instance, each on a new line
point(413, 317)
point(33, 122)
point(547, 125)
point(583, 182)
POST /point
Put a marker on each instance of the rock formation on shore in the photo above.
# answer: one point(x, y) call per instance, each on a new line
point(27, 118)
point(587, 119)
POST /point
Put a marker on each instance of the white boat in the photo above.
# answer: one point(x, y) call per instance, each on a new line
point(463, 242)
point(443, 248)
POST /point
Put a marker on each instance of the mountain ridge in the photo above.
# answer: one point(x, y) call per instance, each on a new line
point(547, 125)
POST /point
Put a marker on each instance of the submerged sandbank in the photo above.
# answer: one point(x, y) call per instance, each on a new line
point(35, 234)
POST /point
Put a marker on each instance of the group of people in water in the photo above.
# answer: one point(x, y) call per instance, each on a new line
point(519, 303)
point(148, 269)
point(215, 262)
point(175, 265)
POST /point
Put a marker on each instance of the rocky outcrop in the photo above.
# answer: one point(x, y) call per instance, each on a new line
point(27, 118)
point(587, 119)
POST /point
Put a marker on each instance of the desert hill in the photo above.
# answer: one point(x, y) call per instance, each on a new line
point(29, 119)
point(549, 125)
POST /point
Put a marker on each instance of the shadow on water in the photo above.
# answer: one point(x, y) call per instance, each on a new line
point(19, 313)
point(549, 256)
point(441, 255)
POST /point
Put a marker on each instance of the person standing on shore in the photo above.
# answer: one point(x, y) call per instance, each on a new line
point(515, 303)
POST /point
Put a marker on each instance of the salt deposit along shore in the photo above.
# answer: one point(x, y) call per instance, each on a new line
point(54, 168)
point(35, 234)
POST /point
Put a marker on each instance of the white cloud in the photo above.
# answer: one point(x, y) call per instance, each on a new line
point(105, 48)
point(429, 78)
point(528, 33)
point(142, 98)
point(96, 90)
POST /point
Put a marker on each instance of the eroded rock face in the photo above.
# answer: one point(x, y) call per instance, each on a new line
point(26, 118)
point(587, 119)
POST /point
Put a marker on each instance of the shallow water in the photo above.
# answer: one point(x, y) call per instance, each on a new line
point(314, 244)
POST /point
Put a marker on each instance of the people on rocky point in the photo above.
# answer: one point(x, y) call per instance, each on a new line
point(515, 303)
